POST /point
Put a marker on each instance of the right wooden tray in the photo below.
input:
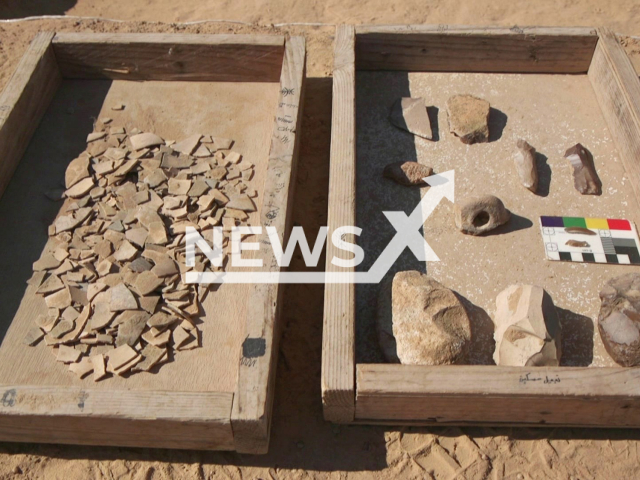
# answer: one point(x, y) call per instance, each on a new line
point(362, 391)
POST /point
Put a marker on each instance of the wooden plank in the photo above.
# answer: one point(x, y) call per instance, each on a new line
point(605, 397)
point(50, 414)
point(253, 400)
point(617, 88)
point(338, 338)
point(162, 56)
point(474, 49)
point(24, 101)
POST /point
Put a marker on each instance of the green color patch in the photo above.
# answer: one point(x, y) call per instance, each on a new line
point(574, 222)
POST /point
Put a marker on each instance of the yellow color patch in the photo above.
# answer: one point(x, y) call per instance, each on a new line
point(598, 223)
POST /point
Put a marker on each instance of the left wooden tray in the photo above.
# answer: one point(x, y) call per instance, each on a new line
point(242, 86)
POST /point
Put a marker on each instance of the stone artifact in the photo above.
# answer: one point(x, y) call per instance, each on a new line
point(479, 215)
point(619, 319)
point(528, 331)
point(111, 272)
point(585, 178)
point(577, 243)
point(469, 118)
point(525, 160)
point(408, 173)
point(421, 322)
point(410, 114)
point(580, 231)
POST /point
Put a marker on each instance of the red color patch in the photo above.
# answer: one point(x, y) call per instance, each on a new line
point(618, 224)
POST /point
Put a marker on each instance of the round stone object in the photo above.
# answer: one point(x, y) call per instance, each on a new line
point(479, 215)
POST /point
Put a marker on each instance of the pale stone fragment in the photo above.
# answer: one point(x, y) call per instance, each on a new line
point(217, 173)
point(102, 316)
point(68, 354)
point(469, 118)
point(81, 188)
point(149, 303)
point(480, 215)
point(525, 160)
point(179, 187)
point(234, 157)
point(408, 173)
point(82, 368)
point(161, 320)
point(147, 282)
point(179, 337)
point(115, 153)
point(619, 319)
point(157, 340)
point(188, 145)
point(122, 299)
point(131, 327)
point(152, 355)
point(99, 367)
point(125, 168)
point(421, 322)
point(145, 140)
point(410, 114)
point(33, 336)
point(198, 188)
point(222, 143)
point(156, 178)
point(527, 328)
point(92, 137)
point(77, 170)
point(157, 234)
point(585, 177)
point(219, 197)
point(126, 252)
point(51, 285)
point(60, 299)
point(94, 289)
point(202, 152)
point(121, 356)
point(137, 236)
point(241, 202)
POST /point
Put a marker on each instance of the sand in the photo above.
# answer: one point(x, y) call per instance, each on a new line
point(303, 445)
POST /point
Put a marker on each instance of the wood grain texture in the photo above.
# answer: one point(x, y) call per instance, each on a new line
point(158, 419)
point(251, 417)
point(599, 397)
point(338, 338)
point(24, 101)
point(617, 89)
point(474, 49)
point(176, 406)
point(160, 56)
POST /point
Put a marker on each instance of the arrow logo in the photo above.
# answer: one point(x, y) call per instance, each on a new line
point(407, 236)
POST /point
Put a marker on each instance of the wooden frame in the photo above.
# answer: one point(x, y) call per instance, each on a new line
point(392, 393)
point(165, 419)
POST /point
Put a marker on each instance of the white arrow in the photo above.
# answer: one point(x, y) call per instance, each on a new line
point(442, 186)
point(408, 229)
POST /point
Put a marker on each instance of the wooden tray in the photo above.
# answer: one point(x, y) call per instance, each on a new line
point(605, 92)
point(217, 397)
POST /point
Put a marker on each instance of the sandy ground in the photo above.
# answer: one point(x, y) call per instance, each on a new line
point(303, 445)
